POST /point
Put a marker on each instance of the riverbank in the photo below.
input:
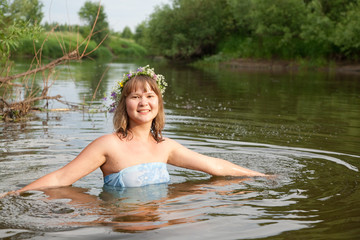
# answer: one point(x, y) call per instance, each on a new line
point(283, 65)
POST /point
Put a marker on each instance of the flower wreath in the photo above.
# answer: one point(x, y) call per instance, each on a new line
point(145, 71)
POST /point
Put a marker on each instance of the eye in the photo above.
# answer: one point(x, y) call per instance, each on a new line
point(151, 95)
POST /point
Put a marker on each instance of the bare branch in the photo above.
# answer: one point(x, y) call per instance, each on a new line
point(20, 108)
point(92, 30)
point(30, 100)
point(70, 56)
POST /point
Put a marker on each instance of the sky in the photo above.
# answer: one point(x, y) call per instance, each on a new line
point(120, 13)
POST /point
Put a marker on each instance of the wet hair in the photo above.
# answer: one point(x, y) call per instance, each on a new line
point(121, 117)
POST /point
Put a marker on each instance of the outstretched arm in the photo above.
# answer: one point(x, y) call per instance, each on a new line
point(92, 157)
point(183, 157)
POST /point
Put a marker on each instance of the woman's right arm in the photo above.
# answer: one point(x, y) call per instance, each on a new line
point(92, 157)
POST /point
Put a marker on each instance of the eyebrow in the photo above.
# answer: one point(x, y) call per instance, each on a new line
point(148, 92)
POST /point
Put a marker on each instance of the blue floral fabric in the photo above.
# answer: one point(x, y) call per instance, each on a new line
point(139, 175)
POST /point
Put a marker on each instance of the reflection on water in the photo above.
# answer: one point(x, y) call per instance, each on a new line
point(304, 128)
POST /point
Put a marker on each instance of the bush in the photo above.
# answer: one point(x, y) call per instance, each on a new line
point(188, 29)
point(57, 44)
point(126, 48)
point(285, 29)
point(347, 32)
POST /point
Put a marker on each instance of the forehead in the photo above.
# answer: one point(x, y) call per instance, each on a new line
point(141, 86)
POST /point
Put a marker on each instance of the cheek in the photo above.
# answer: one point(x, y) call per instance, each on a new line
point(155, 103)
point(129, 105)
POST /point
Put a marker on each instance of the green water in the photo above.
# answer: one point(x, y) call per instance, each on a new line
point(303, 127)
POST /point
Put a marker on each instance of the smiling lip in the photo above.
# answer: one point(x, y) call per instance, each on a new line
point(144, 111)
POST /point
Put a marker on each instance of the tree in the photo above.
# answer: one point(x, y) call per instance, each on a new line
point(126, 33)
point(139, 32)
point(277, 25)
point(188, 29)
point(27, 10)
point(94, 13)
point(16, 23)
point(347, 32)
point(335, 8)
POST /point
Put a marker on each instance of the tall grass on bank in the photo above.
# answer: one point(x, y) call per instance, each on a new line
point(58, 43)
point(121, 47)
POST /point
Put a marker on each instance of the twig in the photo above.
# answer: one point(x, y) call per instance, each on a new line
point(92, 30)
point(7, 104)
point(22, 107)
point(97, 87)
point(30, 100)
point(71, 56)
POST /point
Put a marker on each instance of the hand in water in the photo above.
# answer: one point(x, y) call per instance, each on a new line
point(2, 195)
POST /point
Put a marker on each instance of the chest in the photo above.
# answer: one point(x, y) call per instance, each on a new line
point(131, 153)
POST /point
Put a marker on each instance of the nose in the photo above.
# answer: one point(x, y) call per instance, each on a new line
point(143, 101)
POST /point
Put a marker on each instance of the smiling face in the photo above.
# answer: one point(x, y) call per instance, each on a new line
point(142, 105)
point(140, 102)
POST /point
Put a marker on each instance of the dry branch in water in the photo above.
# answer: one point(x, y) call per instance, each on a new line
point(17, 109)
point(13, 110)
point(74, 55)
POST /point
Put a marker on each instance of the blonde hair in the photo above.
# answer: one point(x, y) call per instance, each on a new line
point(121, 118)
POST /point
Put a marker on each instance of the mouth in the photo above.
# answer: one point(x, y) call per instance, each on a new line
point(144, 111)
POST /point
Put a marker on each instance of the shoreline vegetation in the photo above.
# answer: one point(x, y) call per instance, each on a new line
point(255, 35)
point(54, 45)
point(283, 65)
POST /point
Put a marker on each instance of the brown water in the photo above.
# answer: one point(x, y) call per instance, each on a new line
point(303, 127)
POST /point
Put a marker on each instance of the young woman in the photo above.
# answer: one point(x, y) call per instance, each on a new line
point(136, 154)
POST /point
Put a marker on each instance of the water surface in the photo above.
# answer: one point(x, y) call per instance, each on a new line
point(303, 127)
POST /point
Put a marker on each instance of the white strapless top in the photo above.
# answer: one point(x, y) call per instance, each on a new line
point(139, 175)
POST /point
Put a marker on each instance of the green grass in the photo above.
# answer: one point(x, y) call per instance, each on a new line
point(125, 48)
point(55, 45)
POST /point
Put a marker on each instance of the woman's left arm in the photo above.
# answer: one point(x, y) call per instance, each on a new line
point(183, 157)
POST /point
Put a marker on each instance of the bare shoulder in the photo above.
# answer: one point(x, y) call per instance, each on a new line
point(108, 138)
point(171, 144)
point(105, 141)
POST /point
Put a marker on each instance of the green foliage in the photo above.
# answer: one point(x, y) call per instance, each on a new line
point(27, 10)
point(189, 28)
point(347, 31)
point(290, 29)
point(57, 27)
point(316, 31)
point(126, 33)
point(91, 13)
point(334, 9)
point(16, 23)
point(276, 25)
point(126, 48)
point(57, 44)
point(236, 45)
point(139, 35)
point(102, 52)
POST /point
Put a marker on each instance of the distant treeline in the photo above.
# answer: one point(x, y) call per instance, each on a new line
point(55, 45)
point(286, 29)
point(194, 29)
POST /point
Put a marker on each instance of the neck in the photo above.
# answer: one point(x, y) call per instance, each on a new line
point(141, 132)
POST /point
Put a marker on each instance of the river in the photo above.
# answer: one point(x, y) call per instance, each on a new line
point(303, 127)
